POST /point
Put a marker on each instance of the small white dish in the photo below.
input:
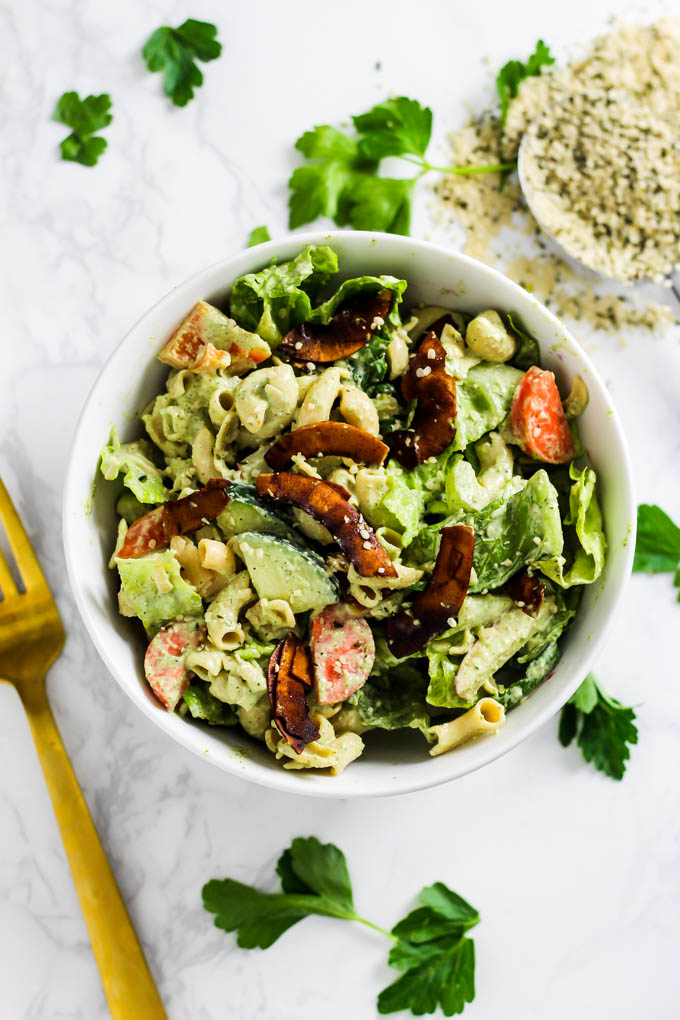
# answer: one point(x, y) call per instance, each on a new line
point(392, 763)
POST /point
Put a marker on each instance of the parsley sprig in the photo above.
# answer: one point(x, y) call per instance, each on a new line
point(430, 945)
point(174, 51)
point(512, 74)
point(657, 549)
point(602, 727)
point(84, 117)
point(341, 177)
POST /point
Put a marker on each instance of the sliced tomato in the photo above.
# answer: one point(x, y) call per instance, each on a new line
point(343, 652)
point(164, 662)
point(538, 419)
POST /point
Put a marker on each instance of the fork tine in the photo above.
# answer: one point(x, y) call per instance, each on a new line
point(6, 580)
point(21, 547)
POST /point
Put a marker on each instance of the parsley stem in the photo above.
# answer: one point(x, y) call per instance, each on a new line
point(488, 168)
point(375, 927)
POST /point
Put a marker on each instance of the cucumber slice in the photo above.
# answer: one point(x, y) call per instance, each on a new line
point(247, 512)
point(281, 570)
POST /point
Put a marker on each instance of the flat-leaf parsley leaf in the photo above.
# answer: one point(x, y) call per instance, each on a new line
point(602, 727)
point(174, 51)
point(512, 74)
point(84, 117)
point(657, 548)
point(341, 178)
point(430, 947)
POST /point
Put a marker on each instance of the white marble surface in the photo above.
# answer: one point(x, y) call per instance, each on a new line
point(576, 877)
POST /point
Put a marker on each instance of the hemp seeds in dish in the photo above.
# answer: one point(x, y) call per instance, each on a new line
point(640, 63)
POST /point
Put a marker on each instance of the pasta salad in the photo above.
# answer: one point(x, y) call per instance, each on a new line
point(344, 517)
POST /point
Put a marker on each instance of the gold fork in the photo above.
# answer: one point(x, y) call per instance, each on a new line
point(31, 639)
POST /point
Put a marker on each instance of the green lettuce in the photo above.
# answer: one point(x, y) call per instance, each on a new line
point(277, 298)
point(586, 543)
point(254, 650)
point(483, 400)
point(516, 689)
point(204, 705)
point(393, 702)
point(524, 529)
point(441, 691)
point(369, 365)
point(361, 285)
point(399, 502)
point(141, 476)
point(129, 508)
point(155, 608)
point(528, 353)
point(554, 625)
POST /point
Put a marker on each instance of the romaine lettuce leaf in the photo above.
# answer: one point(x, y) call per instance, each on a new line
point(442, 669)
point(396, 501)
point(204, 705)
point(254, 650)
point(524, 529)
point(142, 476)
point(369, 365)
point(538, 669)
point(129, 508)
point(153, 607)
point(394, 702)
point(483, 400)
point(362, 285)
point(554, 625)
point(586, 543)
point(528, 352)
point(277, 298)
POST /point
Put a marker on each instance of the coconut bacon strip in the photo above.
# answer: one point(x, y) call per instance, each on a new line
point(176, 517)
point(327, 438)
point(435, 608)
point(328, 504)
point(434, 422)
point(289, 676)
point(526, 592)
point(356, 322)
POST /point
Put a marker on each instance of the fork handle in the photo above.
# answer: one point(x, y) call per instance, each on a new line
point(125, 974)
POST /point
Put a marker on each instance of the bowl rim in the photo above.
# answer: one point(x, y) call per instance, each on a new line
point(278, 778)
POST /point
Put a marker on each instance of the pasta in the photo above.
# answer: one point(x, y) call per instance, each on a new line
point(271, 619)
point(484, 717)
point(221, 616)
point(327, 752)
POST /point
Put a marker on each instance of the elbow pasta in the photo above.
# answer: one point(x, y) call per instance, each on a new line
point(328, 751)
point(221, 616)
point(206, 582)
point(319, 398)
point(398, 352)
point(217, 556)
point(232, 680)
point(266, 400)
point(357, 408)
point(202, 455)
point(487, 716)
point(487, 337)
point(271, 619)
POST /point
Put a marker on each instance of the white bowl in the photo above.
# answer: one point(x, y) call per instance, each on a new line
point(392, 763)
